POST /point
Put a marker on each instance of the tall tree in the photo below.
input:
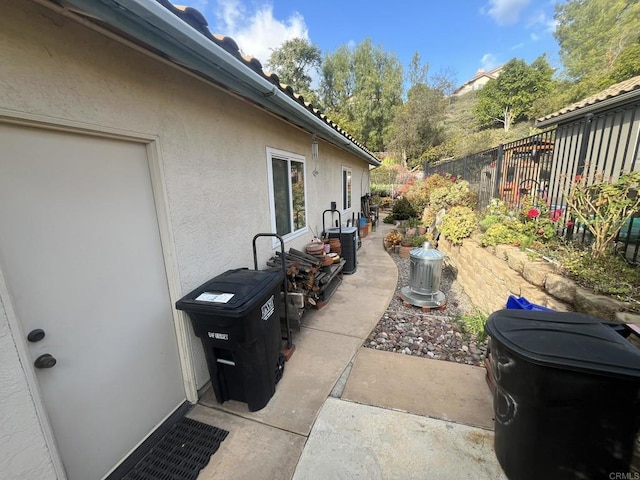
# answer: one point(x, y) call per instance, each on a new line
point(293, 62)
point(418, 72)
point(511, 96)
point(337, 86)
point(359, 89)
point(592, 34)
point(416, 125)
point(627, 64)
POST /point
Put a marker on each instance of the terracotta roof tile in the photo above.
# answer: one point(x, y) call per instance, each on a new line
point(194, 18)
point(613, 91)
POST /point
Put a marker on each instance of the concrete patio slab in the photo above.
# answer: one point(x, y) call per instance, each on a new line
point(438, 389)
point(362, 298)
point(370, 443)
point(251, 450)
point(315, 367)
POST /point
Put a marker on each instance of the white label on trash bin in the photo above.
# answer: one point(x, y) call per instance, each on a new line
point(214, 297)
point(268, 309)
point(218, 336)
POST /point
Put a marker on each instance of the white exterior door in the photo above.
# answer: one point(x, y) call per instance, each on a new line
point(81, 257)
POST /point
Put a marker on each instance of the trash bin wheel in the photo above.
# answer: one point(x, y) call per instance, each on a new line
point(280, 367)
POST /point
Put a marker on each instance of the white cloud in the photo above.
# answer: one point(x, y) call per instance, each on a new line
point(517, 46)
point(535, 37)
point(542, 21)
point(257, 32)
point(488, 62)
point(505, 12)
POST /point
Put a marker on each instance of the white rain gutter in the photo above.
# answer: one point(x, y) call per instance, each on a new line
point(156, 26)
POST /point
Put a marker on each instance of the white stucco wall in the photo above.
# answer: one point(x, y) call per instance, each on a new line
point(24, 453)
point(212, 147)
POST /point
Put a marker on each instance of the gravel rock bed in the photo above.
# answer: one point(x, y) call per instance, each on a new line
point(435, 334)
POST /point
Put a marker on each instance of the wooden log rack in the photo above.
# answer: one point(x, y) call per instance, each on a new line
point(306, 275)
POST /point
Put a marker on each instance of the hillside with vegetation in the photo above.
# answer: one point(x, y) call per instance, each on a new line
point(410, 114)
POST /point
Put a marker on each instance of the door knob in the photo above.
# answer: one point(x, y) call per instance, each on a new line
point(35, 335)
point(46, 360)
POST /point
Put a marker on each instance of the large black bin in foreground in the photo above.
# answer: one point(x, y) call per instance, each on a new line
point(567, 397)
point(236, 317)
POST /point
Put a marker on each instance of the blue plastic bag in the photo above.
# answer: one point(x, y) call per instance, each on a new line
point(521, 303)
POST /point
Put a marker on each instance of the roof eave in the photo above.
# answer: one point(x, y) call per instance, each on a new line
point(157, 27)
point(579, 112)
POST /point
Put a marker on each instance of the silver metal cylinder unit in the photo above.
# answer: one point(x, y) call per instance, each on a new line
point(425, 275)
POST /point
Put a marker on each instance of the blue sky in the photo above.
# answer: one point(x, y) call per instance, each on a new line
point(460, 36)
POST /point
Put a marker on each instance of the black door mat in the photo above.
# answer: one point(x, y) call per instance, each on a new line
point(180, 454)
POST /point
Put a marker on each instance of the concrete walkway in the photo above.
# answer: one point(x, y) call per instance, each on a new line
point(344, 411)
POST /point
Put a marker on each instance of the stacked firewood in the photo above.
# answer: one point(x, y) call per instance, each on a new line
point(304, 274)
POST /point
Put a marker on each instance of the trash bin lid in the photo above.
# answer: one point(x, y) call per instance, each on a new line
point(232, 293)
point(348, 230)
point(572, 341)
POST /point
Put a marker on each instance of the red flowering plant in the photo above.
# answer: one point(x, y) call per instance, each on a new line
point(537, 223)
point(533, 213)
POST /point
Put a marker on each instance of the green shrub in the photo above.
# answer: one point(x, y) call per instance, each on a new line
point(458, 223)
point(419, 240)
point(474, 323)
point(501, 234)
point(381, 189)
point(451, 195)
point(532, 225)
point(604, 206)
point(495, 212)
point(389, 219)
point(428, 216)
point(412, 222)
point(402, 209)
point(606, 274)
point(488, 221)
point(418, 193)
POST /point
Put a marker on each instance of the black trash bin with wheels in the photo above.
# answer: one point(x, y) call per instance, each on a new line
point(349, 246)
point(236, 317)
point(567, 396)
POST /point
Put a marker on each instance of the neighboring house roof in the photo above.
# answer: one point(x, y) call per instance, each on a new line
point(617, 93)
point(491, 75)
point(181, 35)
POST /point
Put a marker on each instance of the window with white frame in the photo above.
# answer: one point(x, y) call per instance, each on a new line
point(346, 188)
point(287, 193)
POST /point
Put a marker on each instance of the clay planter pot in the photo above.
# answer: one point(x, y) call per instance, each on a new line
point(422, 230)
point(404, 251)
point(315, 249)
point(411, 231)
point(335, 246)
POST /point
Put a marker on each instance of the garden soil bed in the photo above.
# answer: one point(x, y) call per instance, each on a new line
point(436, 334)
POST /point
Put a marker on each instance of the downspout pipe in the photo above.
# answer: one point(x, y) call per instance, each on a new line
point(161, 29)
